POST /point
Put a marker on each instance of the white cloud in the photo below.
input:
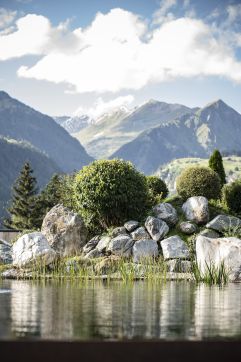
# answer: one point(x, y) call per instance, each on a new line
point(117, 51)
point(234, 13)
point(6, 17)
point(100, 107)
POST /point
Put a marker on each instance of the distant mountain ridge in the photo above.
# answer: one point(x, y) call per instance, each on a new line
point(114, 129)
point(21, 122)
point(191, 135)
point(74, 124)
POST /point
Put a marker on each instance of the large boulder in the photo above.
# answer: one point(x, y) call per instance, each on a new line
point(5, 252)
point(32, 249)
point(144, 249)
point(93, 254)
point(157, 228)
point(222, 223)
point(131, 225)
point(196, 209)
point(186, 227)
point(92, 243)
point(212, 253)
point(209, 233)
point(103, 244)
point(121, 245)
point(140, 233)
point(167, 213)
point(64, 230)
point(174, 248)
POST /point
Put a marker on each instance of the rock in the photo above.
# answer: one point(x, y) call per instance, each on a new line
point(196, 209)
point(31, 249)
point(157, 228)
point(209, 233)
point(103, 244)
point(179, 266)
point(144, 249)
point(91, 244)
point(121, 230)
point(223, 223)
point(213, 252)
point(174, 248)
point(5, 252)
point(188, 228)
point(107, 265)
point(95, 253)
point(140, 233)
point(121, 245)
point(131, 225)
point(167, 213)
point(64, 230)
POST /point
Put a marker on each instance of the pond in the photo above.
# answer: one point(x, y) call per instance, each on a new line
point(75, 310)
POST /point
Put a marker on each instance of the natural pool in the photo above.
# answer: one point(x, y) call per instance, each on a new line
point(76, 310)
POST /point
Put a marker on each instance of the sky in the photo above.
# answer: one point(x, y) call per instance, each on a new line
point(86, 57)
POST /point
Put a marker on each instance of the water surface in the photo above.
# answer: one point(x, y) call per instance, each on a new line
point(110, 311)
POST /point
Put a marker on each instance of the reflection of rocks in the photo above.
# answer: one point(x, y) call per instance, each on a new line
point(217, 311)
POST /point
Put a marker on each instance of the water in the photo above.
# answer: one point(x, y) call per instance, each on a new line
point(110, 311)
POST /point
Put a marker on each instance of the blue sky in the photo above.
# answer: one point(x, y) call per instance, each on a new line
point(67, 57)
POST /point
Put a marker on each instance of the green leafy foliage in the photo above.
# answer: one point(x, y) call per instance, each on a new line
point(216, 164)
point(109, 192)
point(199, 181)
point(23, 206)
point(231, 196)
point(157, 189)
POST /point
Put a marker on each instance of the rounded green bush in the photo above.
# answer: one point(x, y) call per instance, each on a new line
point(157, 188)
point(199, 181)
point(110, 192)
point(231, 196)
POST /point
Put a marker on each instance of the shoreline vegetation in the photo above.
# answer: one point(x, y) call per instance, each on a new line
point(89, 228)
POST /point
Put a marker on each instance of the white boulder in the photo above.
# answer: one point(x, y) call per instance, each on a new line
point(174, 248)
point(157, 228)
point(144, 249)
point(166, 212)
point(196, 209)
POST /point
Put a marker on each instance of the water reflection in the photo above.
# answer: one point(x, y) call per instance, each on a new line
point(71, 310)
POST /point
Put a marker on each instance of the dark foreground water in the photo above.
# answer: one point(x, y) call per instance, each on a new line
point(74, 310)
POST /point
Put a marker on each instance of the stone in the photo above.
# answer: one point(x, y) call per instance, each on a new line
point(212, 252)
point(188, 228)
point(121, 245)
point(121, 230)
point(174, 248)
point(95, 253)
point(167, 213)
point(107, 265)
point(131, 225)
point(179, 266)
point(157, 228)
point(31, 249)
point(91, 244)
point(196, 209)
point(103, 244)
point(140, 233)
point(144, 249)
point(5, 252)
point(222, 223)
point(65, 231)
point(209, 233)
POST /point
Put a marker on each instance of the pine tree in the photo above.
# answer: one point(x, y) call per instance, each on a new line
point(22, 209)
point(216, 164)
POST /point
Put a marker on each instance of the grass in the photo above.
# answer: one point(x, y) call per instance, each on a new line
point(218, 275)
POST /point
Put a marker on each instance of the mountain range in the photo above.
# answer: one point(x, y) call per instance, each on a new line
point(190, 135)
point(74, 124)
point(20, 122)
point(114, 129)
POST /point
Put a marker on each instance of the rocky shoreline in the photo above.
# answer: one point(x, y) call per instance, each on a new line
point(171, 244)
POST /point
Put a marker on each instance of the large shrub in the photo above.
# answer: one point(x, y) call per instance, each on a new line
point(199, 181)
point(109, 192)
point(216, 164)
point(231, 196)
point(157, 188)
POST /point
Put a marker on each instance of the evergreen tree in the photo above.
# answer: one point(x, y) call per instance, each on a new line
point(216, 164)
point(22, 209)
